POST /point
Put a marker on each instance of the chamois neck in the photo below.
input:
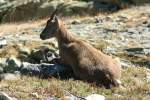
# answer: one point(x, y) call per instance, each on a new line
point(63, 36)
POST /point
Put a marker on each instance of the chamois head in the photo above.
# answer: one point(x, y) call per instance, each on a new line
point(51, 27)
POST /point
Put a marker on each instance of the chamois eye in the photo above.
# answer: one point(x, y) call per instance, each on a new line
point(48, 22)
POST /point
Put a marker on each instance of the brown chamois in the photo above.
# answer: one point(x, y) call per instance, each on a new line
point(87, 62)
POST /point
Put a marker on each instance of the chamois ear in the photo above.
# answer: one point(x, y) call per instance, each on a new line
point(57, 20)
point(53, 15)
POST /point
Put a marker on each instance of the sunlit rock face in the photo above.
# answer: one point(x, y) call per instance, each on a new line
point(30, 9)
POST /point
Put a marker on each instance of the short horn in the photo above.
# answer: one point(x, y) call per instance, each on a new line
point(53, 14)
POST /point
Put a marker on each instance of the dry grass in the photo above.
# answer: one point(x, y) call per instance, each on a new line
point(133, 79)
point(8, 51)
point(17, 27)
point(20, 26)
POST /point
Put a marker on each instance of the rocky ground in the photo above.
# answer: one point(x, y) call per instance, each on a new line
point(124, 34)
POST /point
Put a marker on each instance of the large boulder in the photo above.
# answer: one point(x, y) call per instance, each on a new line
point(76, 7)
point(33, 10)
point(127, 1)
point(19, 10)
point(9, 76)
point(23, 11)
point(140, 1)
point(46, 70)
point(46, 8)
point(4, 7)
point(119, 4)
point(43, 55)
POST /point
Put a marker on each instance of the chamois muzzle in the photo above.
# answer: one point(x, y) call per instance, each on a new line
point(42, 36)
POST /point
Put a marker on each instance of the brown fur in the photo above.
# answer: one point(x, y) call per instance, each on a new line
point(87, 62)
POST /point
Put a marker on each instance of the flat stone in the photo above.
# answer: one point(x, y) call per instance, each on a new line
point(76, 22)
point(95, 97)
point(3, 62)
point(45, 70)
point(1, 70)
point(24, 50)
point(148, 75)
point(137, 51)
point(43, 55)
point(30, 69)
point(52, 98)
point(4, 96)
point(13, 64)
point(9, 76)
point(3, 42)
point(35, 94)
point(125, 64)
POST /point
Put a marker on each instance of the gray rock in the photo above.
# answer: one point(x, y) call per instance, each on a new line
point(140, 2)
point(15, 10)
point(3, 9)
point(9, 76)
point(95, 97)
point(125, 63)
point(146, 51)
point(24, 50)
point(43, 55)
point(13, 64)
point(117, 95)
point(1, 70)
point(70, 96)
point(148, 25)
point(47, 7)
point(3, 62)
point(4, 5)
point(78, 7)
point(35, 95)
point(110, 50)
point(22, 10)
point(51, 98)
point(76, 22)
point(98, 20)
point(137, 51)
point(30, 69)
point(2, 1)
point(45, 70)
point(38, 56)
point(3, 42)
point(24, 53)
point(132, 31)
point(148, 75)
point(4, 96)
